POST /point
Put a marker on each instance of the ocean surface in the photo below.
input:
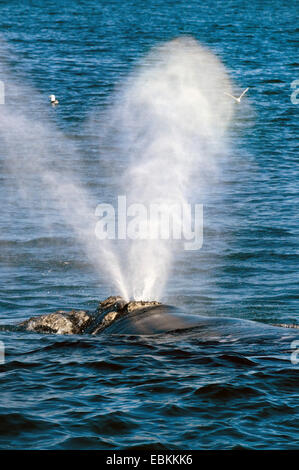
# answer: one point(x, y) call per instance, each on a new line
point(172, 391)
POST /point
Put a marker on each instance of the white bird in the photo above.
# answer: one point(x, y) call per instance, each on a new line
point(239, 98)
point(53, 100)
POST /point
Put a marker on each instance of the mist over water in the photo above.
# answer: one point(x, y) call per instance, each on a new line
point(33, 151)
point(168, 120)
point(36, 155)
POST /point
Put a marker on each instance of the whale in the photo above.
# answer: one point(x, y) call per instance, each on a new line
point(119, 317)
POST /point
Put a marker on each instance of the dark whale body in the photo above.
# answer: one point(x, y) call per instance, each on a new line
point(116, 316)
point(168, 319)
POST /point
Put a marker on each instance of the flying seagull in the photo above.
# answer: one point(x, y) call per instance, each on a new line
point(239, 98)
point(53, 100)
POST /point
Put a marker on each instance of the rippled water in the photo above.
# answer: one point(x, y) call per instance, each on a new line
point(169, 391)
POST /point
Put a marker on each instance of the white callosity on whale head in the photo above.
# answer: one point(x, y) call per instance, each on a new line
point(60, 322)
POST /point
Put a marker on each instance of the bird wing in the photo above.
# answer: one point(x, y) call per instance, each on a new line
point(228, 94)
point(243, 93)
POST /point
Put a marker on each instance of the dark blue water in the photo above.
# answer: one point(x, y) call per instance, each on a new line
point(171, 391)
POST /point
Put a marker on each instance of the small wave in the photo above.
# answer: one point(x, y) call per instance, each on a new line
point(15, 365)
point(112, 423)
point(86, 442)
point(238, 359)
point(153, 445)
point(16, 423)
point(65, 345)
point(174, 410)
point(226, 391)
point(38, 242)
point(273, 80)
point(105, 366)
